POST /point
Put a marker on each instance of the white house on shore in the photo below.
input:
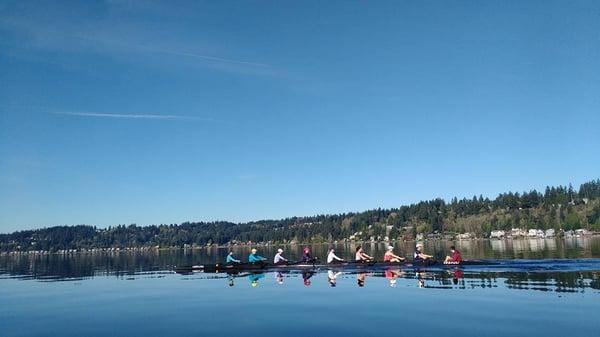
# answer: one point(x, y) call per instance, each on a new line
point(499, 234)
point(535, 233)
point(582, 232)
point(518, 232)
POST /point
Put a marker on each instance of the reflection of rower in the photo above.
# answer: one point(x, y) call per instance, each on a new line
point(392, 275)
point(279, 259)
point(456, 276)
point(254, 257)
point(361, 256)
point(279, 278)
point(332, 258)
point(254, 279)
point(230, 279)
point(332, 277)
point(306, 275)
point(360, 279)
point(420, 279)
point(389, 256)
point(231, 259)
point(420, 256)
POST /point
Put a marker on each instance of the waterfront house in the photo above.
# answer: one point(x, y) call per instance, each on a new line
point(465, 236)
point(518, 232)
point(582, 232)
point(499, 234)
point(535, 233)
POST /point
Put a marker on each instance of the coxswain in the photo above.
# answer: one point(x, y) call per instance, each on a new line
point(454, 258)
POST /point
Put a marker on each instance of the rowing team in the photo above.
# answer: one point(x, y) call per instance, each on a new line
point(360, 256)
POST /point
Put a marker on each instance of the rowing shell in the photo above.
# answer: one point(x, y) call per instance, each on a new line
point(238, 267)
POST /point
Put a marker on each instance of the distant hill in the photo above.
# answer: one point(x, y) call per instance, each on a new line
point(560, 208)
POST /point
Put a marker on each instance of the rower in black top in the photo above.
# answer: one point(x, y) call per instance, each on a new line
point(420, 257)
point(306, 257)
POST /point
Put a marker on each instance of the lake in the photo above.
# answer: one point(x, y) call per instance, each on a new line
point(136, 294)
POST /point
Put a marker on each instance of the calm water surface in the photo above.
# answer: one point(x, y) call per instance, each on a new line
point(137, 295)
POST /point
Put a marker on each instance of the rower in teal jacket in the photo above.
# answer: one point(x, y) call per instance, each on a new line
point(253, 257)
point(231, 259)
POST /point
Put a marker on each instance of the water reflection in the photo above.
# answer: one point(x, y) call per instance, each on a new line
point(279, 277)
point(332, 277)
point(80, 266)
point(254, 278)
point(306, 275)
point(565, 282)
point(392, 275)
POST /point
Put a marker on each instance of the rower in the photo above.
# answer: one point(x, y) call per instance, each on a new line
point(279, 259)
point(389, 256)
point(419, 255)
point(332, 258)
point(231, 259)
point(361, 256)
point(306, 257)
point(254, 258)
point(454, 257)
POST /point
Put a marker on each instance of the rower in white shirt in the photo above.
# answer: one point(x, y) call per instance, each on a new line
point(279, 259)
point(332, 258)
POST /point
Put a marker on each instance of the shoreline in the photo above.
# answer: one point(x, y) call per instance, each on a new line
point(118, 250)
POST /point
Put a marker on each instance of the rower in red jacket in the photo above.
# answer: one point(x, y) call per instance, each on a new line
point(454, 258)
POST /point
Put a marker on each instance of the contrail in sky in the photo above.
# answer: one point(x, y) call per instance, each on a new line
point(130, 116)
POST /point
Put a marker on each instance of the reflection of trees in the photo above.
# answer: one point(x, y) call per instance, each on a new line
point(73, 266)
point(58, 266)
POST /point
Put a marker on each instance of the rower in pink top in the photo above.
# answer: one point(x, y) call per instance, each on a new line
point(389, 256)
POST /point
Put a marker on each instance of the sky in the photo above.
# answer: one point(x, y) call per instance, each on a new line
point(150, 112)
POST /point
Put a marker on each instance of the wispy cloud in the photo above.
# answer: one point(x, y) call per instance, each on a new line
point(136, 47)
point(122, 35)
point(208, 57)
point(131, 116)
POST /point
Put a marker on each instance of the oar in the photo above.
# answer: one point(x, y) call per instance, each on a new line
point(293, 263)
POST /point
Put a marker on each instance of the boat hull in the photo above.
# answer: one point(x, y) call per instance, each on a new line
point(242, 267)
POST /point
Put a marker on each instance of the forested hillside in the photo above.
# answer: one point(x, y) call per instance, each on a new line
point(560, 207)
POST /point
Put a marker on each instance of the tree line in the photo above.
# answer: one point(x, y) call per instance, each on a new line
point(560, 208)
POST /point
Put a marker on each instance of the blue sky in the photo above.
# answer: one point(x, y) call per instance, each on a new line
point(119, 112)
